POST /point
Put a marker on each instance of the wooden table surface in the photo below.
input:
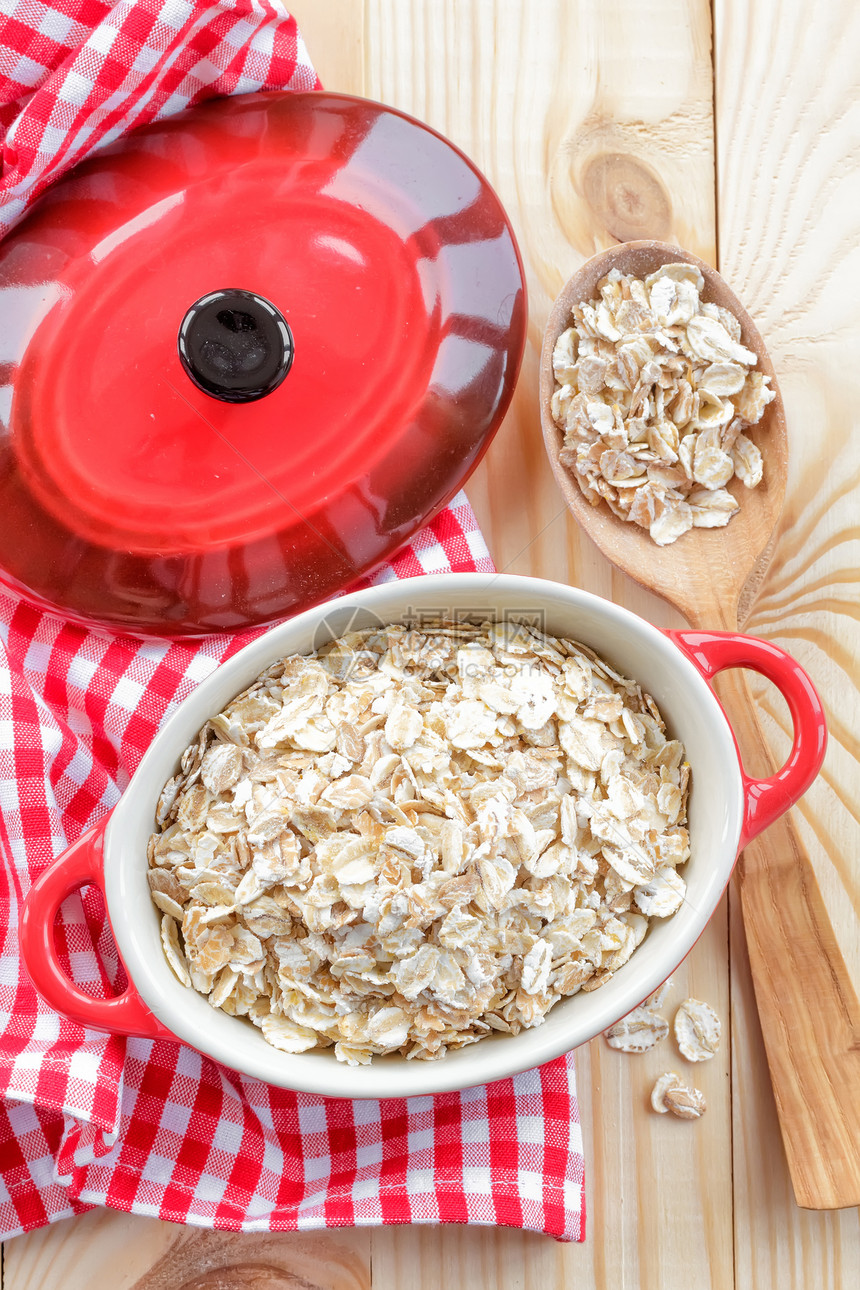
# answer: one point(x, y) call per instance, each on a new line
point(733, 129)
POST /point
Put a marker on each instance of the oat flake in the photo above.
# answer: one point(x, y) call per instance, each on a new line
point(697, 1030)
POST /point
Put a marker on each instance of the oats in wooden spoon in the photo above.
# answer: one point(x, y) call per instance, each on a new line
point(654, 390)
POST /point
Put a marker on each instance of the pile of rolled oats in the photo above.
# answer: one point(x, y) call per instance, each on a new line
point(415, 838)
point(654, 391)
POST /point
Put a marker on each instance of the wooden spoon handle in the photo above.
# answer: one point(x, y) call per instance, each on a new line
point(807, 1003)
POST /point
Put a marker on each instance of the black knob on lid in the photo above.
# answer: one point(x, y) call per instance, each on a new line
point(235, 345)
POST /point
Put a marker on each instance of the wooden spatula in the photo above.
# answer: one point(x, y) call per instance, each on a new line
point(807, 1003)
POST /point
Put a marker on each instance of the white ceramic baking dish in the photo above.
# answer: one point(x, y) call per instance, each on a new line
point(726, 809)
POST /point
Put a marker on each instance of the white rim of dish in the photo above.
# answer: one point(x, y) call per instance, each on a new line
point(491, 1059)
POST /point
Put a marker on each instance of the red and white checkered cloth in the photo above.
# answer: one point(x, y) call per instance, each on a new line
point(153, 1127)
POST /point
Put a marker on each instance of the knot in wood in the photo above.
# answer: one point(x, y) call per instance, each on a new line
point(246, 1276)
point(627, 196)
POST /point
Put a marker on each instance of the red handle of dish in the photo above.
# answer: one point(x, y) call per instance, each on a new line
point(82, 864)
point(766, 799)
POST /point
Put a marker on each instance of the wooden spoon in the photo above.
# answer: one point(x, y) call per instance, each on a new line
point(807, 1003)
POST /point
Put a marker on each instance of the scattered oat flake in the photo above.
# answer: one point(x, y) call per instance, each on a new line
point(686, 1102)
point(670, 1093)
point(697, 1030)
point(640, 1030)
point(671, 1079)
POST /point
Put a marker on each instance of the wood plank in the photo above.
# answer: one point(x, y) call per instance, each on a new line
point(124, 1252)
point(70, 1253)
point(520, 91)
point(779, 182)
point(789, 208)
point(776, 1243)
point(333, 31)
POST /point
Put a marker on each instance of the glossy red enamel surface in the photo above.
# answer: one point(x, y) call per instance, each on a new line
point(80, 865)
point(131, 496)
point(766, 799)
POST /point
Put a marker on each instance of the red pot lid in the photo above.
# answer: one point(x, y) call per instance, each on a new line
point(245, 354)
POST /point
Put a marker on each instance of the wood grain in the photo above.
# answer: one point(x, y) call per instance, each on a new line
point(547, 107)
point(790, 233)
point(545, 98)
point(776, 1243)
point(789, 209)
point(121, 1252)
point(807, 1002)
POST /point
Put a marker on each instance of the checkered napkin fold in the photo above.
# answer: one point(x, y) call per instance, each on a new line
point(149, 1127)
